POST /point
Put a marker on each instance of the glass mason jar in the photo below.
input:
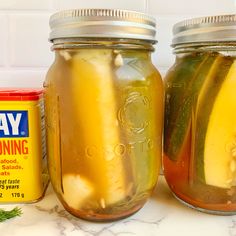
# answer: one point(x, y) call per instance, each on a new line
point(104, 112)
point(200, 115)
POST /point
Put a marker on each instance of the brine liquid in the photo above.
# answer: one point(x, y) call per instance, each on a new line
point(197, 193)
point(104, 116)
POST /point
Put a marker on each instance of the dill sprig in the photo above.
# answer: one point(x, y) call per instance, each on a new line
point(5, 215)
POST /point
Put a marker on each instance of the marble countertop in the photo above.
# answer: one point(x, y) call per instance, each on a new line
point(162, 215)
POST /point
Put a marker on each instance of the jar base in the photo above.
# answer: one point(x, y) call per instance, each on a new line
point(101, 217)
point(207, 211)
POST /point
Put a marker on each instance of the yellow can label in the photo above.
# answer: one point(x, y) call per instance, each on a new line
point(23, 171)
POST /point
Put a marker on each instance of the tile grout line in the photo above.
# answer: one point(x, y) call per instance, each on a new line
point(23, 69)
point(27, 11)
point(146, 6)
point(7, 60)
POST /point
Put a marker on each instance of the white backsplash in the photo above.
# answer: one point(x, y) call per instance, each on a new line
point(25, 51)
point(137, 5)
point(191, 7)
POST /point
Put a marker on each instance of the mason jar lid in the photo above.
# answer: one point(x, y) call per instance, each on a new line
point(102, 23)
point(208, 29)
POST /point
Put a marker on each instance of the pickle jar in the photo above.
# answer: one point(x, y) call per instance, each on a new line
point(104, 112)
point(200, 115)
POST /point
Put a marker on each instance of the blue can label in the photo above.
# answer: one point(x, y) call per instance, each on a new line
point(14, 124)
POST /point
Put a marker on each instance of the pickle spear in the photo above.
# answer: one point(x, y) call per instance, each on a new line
point(204, 103)
point(220, 146)
point(181, 87)
point(94, 102)
point(141, 108)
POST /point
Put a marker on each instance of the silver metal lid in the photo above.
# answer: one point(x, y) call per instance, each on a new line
point(205, 29)
point(102, 23)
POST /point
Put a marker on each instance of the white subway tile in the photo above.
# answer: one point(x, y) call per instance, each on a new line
point(29, 44)
point(22, 79)
point(26, 4)
point(163, 57)
point(199, 7)
point(163, 72)
point(136, 5)
point(3, 39)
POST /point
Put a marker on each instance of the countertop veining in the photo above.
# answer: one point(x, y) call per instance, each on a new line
point(162, 215)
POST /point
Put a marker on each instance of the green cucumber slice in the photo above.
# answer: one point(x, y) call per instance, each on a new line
point(190, 73)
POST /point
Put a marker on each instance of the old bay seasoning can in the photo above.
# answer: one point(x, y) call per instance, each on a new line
point(23, 172)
